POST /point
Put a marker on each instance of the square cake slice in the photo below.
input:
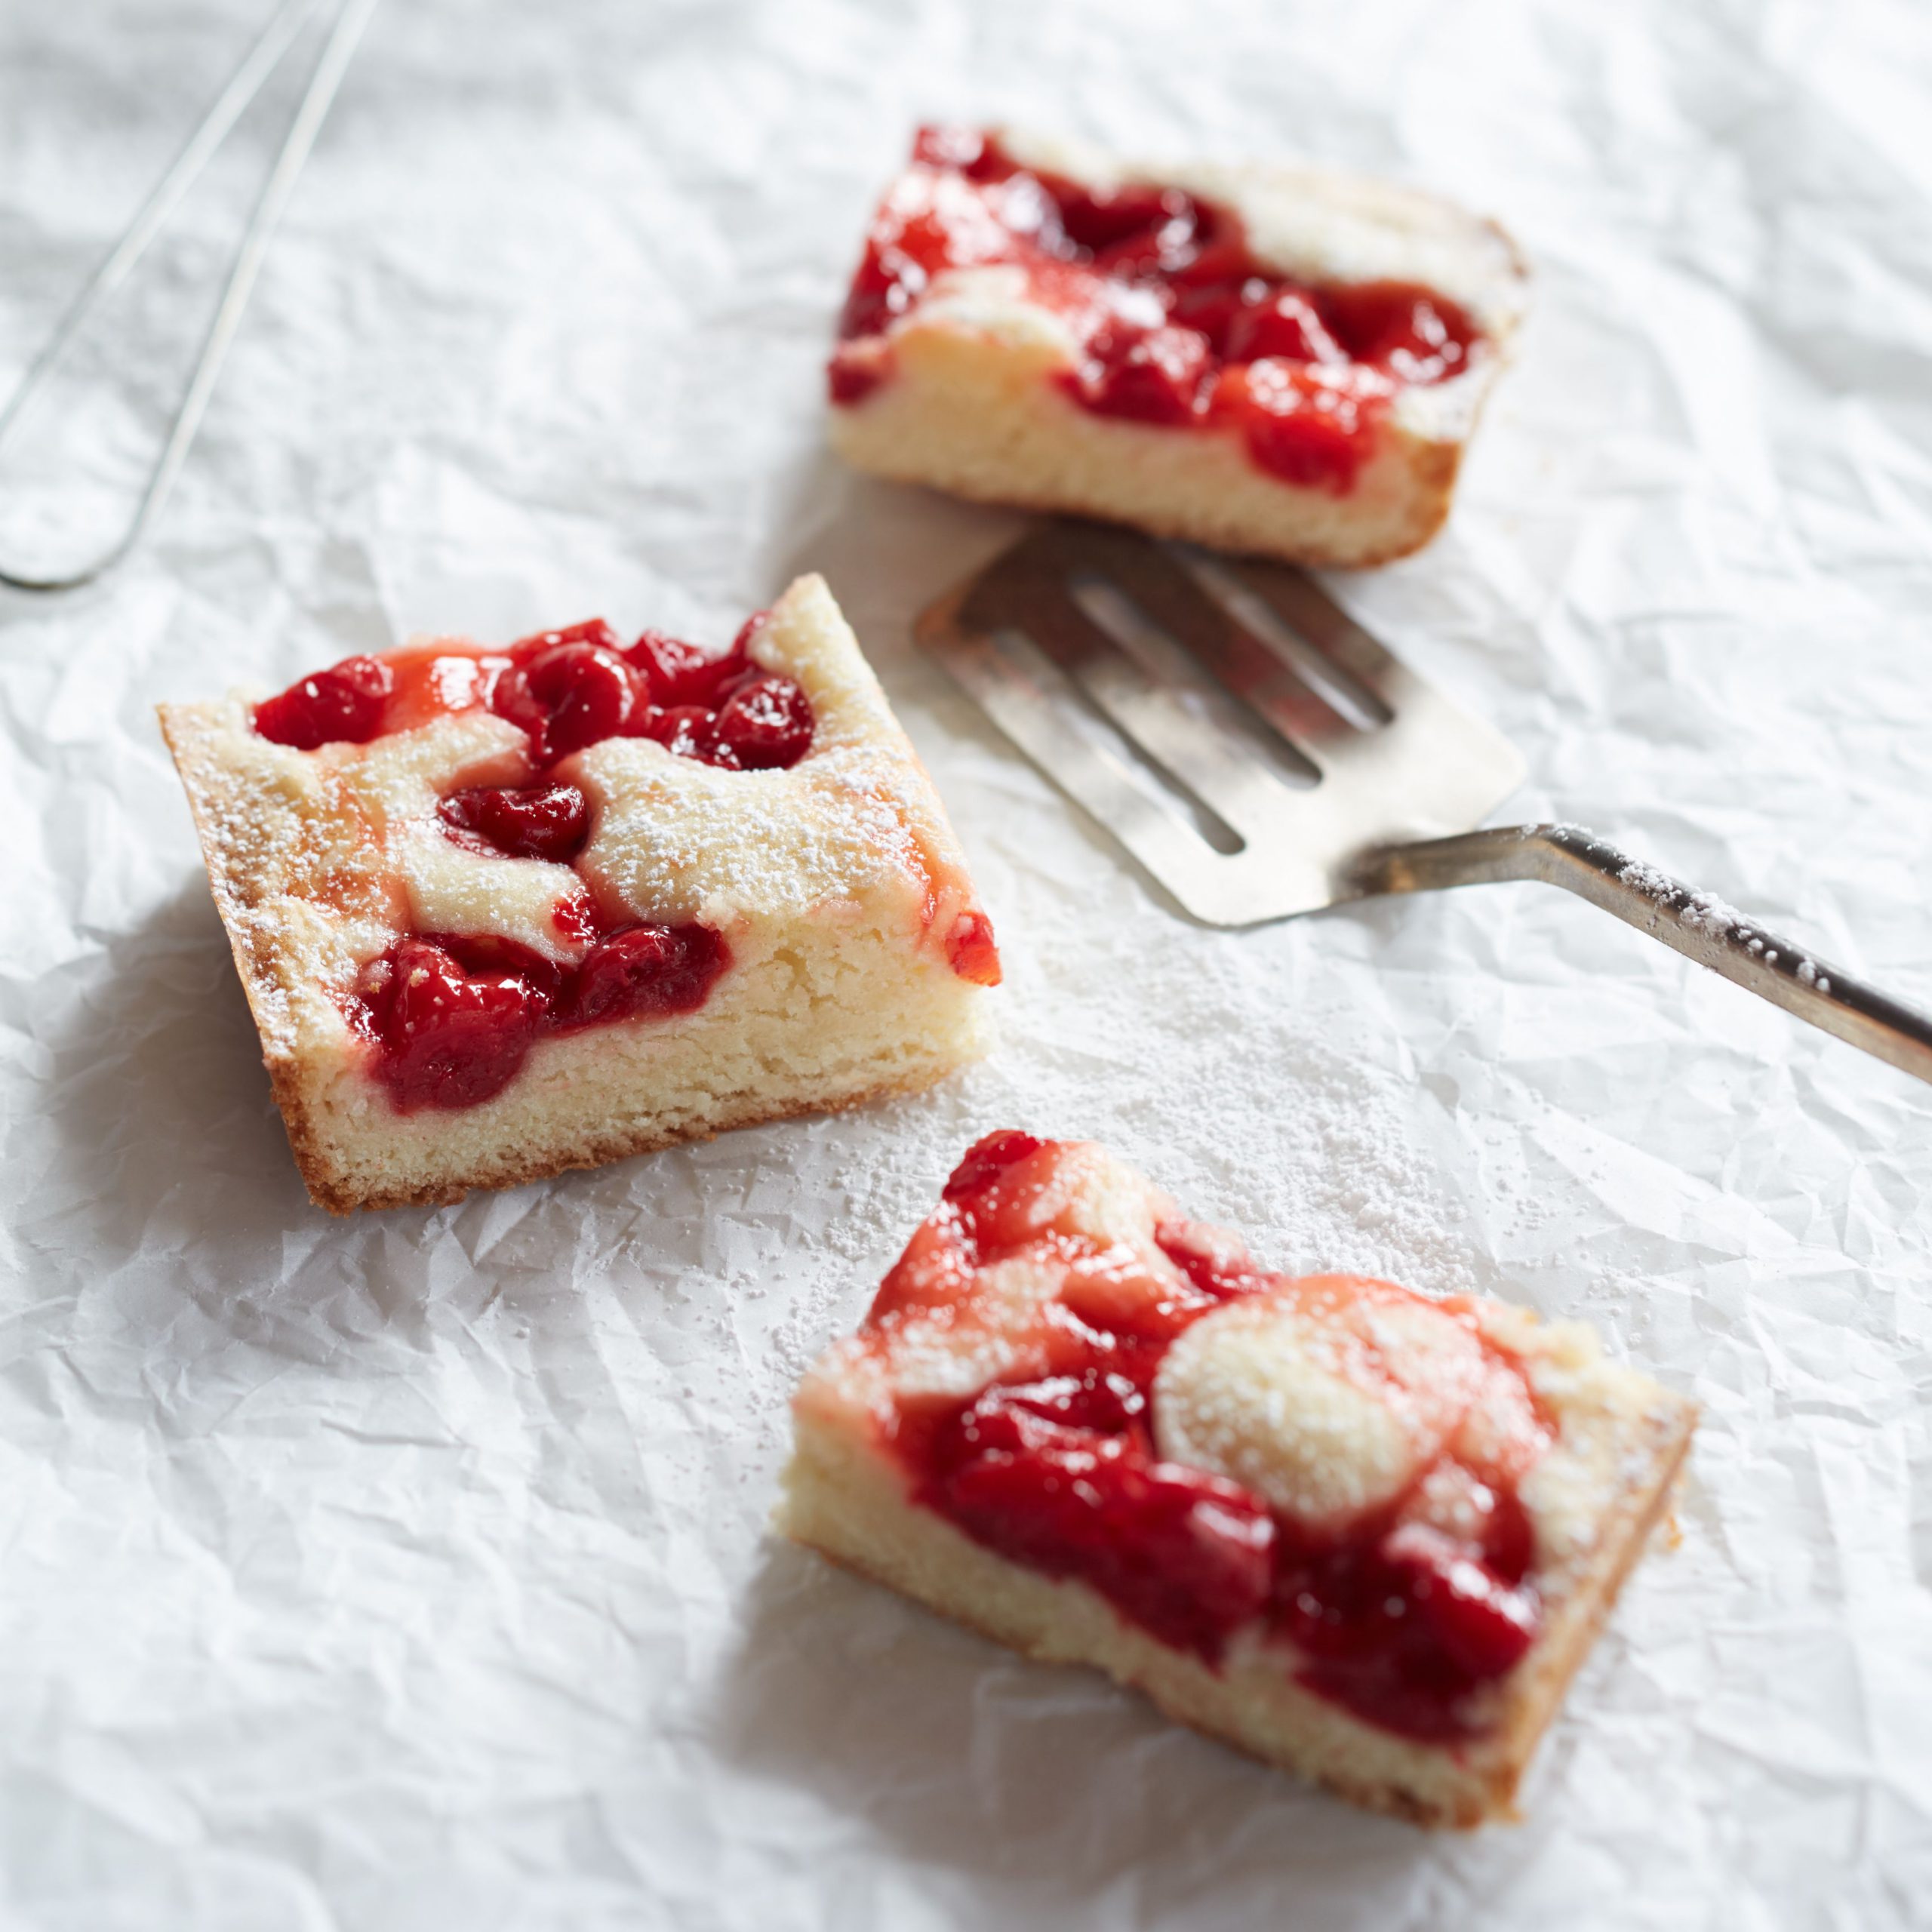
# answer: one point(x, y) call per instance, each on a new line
point(1363, 1533)
point(1272, 360)
point(502, 912)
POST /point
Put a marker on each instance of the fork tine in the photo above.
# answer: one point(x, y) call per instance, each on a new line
point(1096, 778)
point(1242, 663)
point(1322, 624)
point(1242, 791)
point(1403, 763)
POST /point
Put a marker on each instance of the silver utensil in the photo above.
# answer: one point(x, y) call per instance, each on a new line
point(243, 85)
point(1267, 757)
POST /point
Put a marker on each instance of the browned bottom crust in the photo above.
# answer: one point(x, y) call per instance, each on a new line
point(595, 1150)
point(1435, 467)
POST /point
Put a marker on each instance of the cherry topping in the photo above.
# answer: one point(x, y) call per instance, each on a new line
point(1132, 223)
point(569, 696)
point(449, 1038)
point(674, 672)
point(1057, 1475)
point(1152, 375)
point(648, 971)
point(970, 950)
point(765, 725)
point(343, 705)
point(454, 1015)
point(549, 822)
point(853, 374)
point(1309, 423)
point(987, 1159)
point(592, 630)
point(1403, 1627)
point(1284, 322)
point(1397, 1619)
point(483, 954)
point(1413, 333)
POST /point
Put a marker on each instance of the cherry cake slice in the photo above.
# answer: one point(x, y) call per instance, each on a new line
point(1272, 360)
point(501, 910)
point(1362, 1532)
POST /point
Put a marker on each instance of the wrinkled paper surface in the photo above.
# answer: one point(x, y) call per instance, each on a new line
point(413, 1572)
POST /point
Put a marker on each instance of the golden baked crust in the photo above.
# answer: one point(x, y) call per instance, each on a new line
point(970, 407)
point(1601, 1487)
point(835, 883)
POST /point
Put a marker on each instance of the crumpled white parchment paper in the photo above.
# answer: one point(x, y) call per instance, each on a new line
point(412, 1572)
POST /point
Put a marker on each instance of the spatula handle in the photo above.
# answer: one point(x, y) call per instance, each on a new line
point(1701, 927)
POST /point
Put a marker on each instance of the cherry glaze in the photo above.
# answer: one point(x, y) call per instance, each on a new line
point(566, 689)
point(455, 1017)
point(1180, 325)
point(1056, 1467)
point(548, 822)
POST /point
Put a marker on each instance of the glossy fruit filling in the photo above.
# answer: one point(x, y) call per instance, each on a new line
point(453, 1017)
point(1399, 1616)
point(1179, 324)
point(566, 691)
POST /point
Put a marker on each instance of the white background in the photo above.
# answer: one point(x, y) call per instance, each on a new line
point(412, 1572)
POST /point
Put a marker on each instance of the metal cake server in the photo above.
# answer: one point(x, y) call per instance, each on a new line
point(1266, 757)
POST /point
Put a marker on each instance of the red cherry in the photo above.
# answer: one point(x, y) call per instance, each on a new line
point(1185, 1554)
point(592, 630)
point(1150, 375)
point(1106, 1404)
point(1482, 1625)
point(483, 955)
point(648, 972)
point(1130, 226)
point(1211, 307)
point(1310, 424)
point(569, 696)
point(854, 373)
point(739, 655)
point(878, 293)
point(1413, 332)
point(450, 1039)
point(987, 1159)
point(1285, 323)
point(970, 950)
point(685, 729)
point(766, 724)
point(549, 822)
point(343, 705)
point(675, 672)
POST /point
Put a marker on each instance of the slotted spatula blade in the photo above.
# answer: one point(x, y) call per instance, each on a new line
point(1407, 764)
point(1261, 755)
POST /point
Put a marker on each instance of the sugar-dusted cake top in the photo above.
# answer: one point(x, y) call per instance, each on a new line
point(1394, 1491)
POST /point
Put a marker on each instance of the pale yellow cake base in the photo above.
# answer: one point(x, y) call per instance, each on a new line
point(979, 417)
point(819, 1027)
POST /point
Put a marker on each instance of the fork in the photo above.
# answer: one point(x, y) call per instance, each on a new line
point(1261, 755)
